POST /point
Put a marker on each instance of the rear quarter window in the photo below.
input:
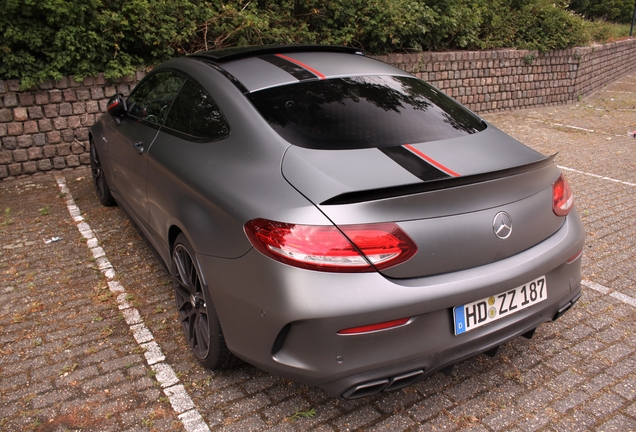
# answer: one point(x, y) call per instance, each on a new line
point(195, 116)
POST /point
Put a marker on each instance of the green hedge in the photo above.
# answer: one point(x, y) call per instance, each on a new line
point(47, 39)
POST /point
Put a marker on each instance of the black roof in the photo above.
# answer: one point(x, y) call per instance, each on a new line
point(227, 54)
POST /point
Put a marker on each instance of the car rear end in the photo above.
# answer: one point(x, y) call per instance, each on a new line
point(442, 237)
point(463, 291)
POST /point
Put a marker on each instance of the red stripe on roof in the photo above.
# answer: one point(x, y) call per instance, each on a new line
point(432, 161)
point(302, 65)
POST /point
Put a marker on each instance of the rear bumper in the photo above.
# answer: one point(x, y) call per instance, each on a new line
point(285, 320)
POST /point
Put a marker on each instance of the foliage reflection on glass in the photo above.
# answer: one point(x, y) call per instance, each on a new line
point(363, 112)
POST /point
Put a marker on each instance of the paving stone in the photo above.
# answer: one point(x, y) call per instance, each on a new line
point(259, 383)
point(285, 410)
point(43, 400)
point(616, 352)
point(597, 383)
point(472, 410)
point(566, 380)
point(441, 423)
point(223, 396)
point(603, 405)
point(248, 423)
point(620, 423)
point(13, 381)
point(429, 407)
point(395, 423)
point(247, 405)
point(622, 368)
point(536, 420)
point(397, 401)
point(631, 410)
point(627, 388)
point(357, 419)
point(465, 390)
point(577, 422)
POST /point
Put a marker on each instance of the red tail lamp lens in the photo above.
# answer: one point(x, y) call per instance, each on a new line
point(562, 197)
point(375, 327)
point(362, 248)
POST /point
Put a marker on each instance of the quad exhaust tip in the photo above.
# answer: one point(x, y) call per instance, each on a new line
point(383, 385)
point(565, 308)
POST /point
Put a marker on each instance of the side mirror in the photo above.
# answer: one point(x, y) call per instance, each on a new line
point(117, 106)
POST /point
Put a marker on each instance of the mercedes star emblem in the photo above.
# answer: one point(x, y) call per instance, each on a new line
point(502, 225)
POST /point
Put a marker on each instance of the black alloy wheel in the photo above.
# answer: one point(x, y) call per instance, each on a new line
point(99, 179)
point(196, 313)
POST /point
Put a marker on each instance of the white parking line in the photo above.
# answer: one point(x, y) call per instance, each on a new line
point(175, 391)
point(598, 176)
point(572, 127)
point(605, 290)
point(609, 135)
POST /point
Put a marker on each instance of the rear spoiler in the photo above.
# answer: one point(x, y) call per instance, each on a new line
point(433, 185)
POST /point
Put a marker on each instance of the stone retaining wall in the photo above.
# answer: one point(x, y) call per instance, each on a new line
point(487, 81)
point(47, 128)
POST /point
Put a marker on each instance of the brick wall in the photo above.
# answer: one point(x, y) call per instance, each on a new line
point(46, 129)
point(487, 81)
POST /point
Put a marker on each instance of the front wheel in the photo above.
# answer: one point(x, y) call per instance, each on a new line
point(196, 312)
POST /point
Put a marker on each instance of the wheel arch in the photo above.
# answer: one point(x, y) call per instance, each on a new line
point(173, 233)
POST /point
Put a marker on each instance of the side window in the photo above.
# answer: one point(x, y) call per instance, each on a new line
point(152, 99)
point(196, 116)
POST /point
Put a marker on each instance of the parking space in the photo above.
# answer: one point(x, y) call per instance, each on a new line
point(72, 356)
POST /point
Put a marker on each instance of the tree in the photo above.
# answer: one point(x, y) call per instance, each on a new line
point(619, 11)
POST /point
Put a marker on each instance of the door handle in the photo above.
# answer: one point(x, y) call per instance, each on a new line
point(139, 146)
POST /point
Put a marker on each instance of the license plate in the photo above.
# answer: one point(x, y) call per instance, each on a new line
point(481, 312)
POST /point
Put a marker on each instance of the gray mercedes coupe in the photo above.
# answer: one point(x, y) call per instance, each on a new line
point(335, 220)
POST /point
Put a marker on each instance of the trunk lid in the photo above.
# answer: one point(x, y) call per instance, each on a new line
point(444, 194)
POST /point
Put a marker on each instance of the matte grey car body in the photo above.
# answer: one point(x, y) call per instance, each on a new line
point(478, 210)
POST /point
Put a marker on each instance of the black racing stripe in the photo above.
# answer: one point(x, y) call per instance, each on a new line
point(291, 68)
point(414, 164)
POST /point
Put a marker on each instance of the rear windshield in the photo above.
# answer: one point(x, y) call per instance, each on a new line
point(363, 112)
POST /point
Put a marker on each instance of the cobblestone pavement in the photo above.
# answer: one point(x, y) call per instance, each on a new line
point(87, 346)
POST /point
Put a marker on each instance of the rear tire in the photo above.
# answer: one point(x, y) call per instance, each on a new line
point(99, 179)
point(198, 317)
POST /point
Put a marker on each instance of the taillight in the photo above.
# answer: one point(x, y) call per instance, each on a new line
point(562, 197)
point(362, 248)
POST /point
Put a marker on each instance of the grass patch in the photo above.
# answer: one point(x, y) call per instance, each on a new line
point(105, 296)
point(6, 220)
point(68, 369)
point(302, 414)
point(603, 31)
